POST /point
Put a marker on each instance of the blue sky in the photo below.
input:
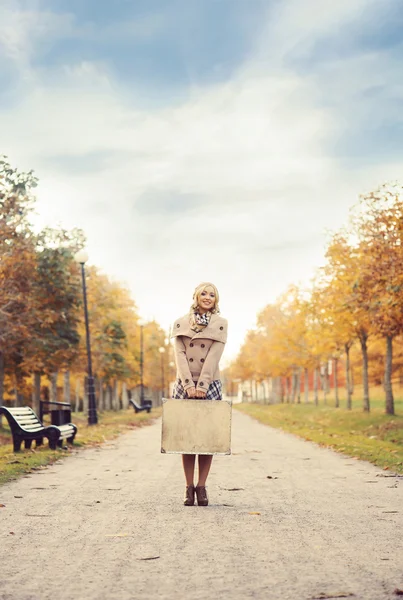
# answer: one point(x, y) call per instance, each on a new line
point(203, 140)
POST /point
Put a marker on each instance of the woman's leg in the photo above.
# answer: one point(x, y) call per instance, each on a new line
point(188, 461)
point(204, 468)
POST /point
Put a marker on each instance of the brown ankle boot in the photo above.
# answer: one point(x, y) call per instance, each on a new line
point(189, 499)
point(201, 493)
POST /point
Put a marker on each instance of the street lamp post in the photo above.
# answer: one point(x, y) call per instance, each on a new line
point(81, 257)
point(162, 352)
point(141, 323)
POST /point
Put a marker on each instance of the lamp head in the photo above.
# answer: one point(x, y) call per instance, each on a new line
point(162, 350)
point(81, 256)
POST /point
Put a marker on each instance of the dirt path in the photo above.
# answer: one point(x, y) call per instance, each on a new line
point(81, 529)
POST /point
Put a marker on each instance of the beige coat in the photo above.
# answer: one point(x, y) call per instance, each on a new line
point(197, 355)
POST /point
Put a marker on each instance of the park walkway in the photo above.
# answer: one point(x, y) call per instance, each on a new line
point(287, 520)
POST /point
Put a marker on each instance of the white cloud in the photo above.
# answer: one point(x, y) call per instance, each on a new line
point(252, 151)
point(23, 32)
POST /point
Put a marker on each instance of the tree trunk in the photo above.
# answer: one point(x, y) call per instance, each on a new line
point(364, 350)
point(351, 379)
point(281, 390)
point(327, 380)
point(19, 398)
point(37, 393)
point(389, 400)
point(336, 383)
point(77, 406)
point(125, 397)
point(66, 389)
point(109, 397)
point(287, 390)
point(299, 386)
point(324, 384)
point(306, 385)
point(53, 387)
point(322, 381)
point(316, 385)
point(1, 384)
point(293, 386)
point(101, 397)
point(115, 396)
point(348, 386)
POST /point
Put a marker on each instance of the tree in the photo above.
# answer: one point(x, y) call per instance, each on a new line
point(379, 228)
point(17, 262)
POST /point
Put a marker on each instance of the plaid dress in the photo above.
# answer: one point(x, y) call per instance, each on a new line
point(214, 391)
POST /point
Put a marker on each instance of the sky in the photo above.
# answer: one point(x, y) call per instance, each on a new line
point(214, 140)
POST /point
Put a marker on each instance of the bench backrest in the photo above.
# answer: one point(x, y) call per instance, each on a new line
point(22, 417)
point(134, 403)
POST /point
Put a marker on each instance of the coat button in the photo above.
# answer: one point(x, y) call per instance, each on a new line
point(202, 346)
point(202, 360)
point(178, 325)
point(190, 359)
point(186, 380)
point(220, 328)
point(201, 383)
point(191, 345)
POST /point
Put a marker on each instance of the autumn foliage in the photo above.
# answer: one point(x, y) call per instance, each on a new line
point(41, 314)
point(351, 315)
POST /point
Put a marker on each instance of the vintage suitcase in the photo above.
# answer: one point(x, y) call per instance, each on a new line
point(196, 426)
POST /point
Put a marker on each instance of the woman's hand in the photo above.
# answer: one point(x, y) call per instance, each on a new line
point(191, 392)
point(200, 394)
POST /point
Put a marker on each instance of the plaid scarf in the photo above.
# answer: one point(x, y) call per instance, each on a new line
point(214, 391)
point(199, 322)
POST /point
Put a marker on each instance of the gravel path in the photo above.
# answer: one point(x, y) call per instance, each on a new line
point(326, 525)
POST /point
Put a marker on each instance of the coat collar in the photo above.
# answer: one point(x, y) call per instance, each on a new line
point(216, 330)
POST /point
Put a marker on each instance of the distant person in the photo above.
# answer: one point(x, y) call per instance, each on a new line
point(200, 338)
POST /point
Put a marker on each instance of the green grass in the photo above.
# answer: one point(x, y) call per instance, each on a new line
point(375, 437)
point(377, 398)
point(110, 425)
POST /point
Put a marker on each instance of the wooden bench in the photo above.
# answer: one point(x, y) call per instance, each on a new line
point(61, 415)
point(138, 408)
point(26, 427)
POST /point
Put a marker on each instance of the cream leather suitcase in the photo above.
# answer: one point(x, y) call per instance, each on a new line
point(196, 426)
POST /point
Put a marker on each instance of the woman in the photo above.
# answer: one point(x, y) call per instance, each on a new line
point(200, 337)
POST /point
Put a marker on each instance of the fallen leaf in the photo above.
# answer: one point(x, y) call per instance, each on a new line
point(12, 533)
point(149, 558)
point(254, 513)
point(18, 496)
point(2, 506)
point(398, 592)
point(233, 489)
point(324, 596)
point(271, 477)
point(28, 515)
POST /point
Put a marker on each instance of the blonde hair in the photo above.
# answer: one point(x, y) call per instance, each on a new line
point(201, 288)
